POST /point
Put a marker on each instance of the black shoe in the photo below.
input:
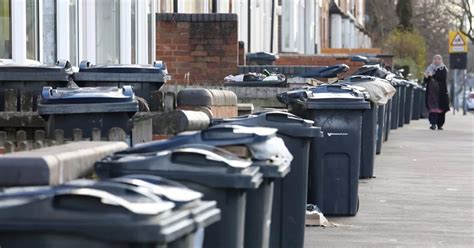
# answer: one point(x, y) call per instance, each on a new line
point(433, 127)
point(440, 128)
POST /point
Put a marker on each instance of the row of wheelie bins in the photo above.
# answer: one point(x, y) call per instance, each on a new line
point(242, 182)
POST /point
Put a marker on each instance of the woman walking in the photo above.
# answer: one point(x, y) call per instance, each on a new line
point(437, 99)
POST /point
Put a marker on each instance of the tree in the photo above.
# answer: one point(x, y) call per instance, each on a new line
point(404, 13)
point(462, 12)
point(433, 21)
point(409, 48)
point(381, 19)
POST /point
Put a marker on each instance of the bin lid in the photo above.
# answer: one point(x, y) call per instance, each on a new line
point(87, 100)
point(156, 72)
point(207, 165)
point(372, 70)
point(204, 213)
point(286, 123)
point(61, 71)
point(107, 211)
point(336, 96)
point(261, 142)
point(262, 56)
point(325, 71)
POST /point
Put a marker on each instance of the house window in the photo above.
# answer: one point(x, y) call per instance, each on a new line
point(32, 30)
point(107, 31)
point(194, 6)
point(289, 25)
point(5, 30)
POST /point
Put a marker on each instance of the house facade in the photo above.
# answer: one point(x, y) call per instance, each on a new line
point(124, 31)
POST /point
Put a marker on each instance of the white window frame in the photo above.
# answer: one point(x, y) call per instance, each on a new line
point(87, 37)
point(18, 26)
point(62, 27)
point(125, 26)
point(223, 6)
point(289, 25)
point(141, 32)
point(310, 27)
point(240, 8)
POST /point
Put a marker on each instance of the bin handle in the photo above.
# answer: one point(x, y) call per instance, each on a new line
point(275, 116)
point(110, 199)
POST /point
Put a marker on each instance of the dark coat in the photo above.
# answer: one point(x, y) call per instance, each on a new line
point(439, 77)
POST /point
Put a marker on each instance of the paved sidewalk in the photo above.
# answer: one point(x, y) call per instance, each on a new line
point(423, 195)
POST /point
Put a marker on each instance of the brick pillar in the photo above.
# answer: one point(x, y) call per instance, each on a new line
point(197, 48)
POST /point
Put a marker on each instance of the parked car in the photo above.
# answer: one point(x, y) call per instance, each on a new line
point(470, 100)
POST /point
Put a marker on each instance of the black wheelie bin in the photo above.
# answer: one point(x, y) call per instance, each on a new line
point(203, 213)
point(334, 160)
point(218, 174)
point(267, 152)
point(409, 101)
point(88, 108)
point(290, 193)
point(416, 114)
point(105, 215)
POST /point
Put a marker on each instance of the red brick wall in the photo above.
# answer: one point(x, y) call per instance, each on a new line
point(197, 48)
point(319, 60)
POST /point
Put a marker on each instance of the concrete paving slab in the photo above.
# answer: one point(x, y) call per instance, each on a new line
point(422, 196)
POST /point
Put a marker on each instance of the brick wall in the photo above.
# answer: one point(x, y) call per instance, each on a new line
point(319, 60)
point(197, 48)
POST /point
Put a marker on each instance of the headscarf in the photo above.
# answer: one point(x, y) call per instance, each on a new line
point(431, 69)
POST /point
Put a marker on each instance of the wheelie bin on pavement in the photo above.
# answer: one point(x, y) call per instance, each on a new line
point(266, 151)
point(388, 118)
point(396, 104)
point(106, 214)
point(381, 116)
point(378, 91)
point(416, 114)
point(89, 108)
point(146, 80)
point(290, 193)
point(335, 159)
point(219, 175)
point(409, 95)
point(203, 213)
point(402, 102)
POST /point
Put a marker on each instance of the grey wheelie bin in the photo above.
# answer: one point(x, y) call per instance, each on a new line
point(396, 104)
point(266, 151)
point(203, 213)
point(290, 193)
point(334, 160)
point(369, 121)
point(101, 108)
point(146, 80)
point(409, 95)
point(402, 102)
point(106, 215)
point(219, 175)
point(388, 118)
point(27, 81)
point(424, 110)
point(416, 114)
point(380, 127)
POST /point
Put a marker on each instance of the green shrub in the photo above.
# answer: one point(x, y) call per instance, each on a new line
point(409, 49)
